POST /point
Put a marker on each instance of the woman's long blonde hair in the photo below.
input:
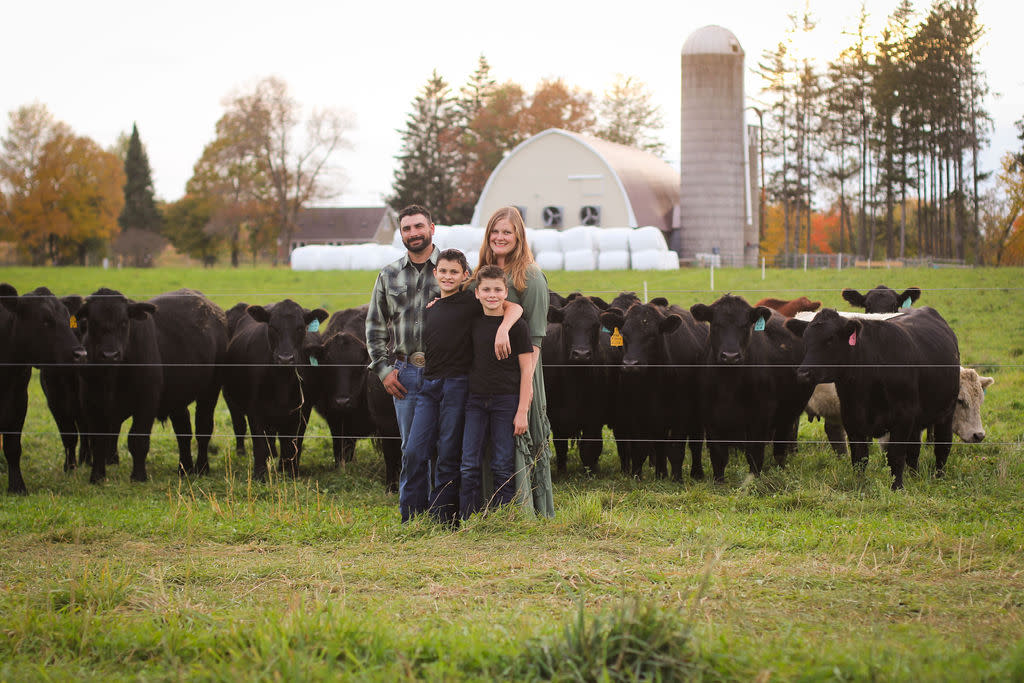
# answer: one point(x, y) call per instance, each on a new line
point(521, 257)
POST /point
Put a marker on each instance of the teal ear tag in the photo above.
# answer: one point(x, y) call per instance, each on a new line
point(605, 329)
point(759, 325)
point(314, 326)
point(906, 303)
point(313, 361)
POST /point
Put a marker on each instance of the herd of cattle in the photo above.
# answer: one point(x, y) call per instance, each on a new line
point(661, 377)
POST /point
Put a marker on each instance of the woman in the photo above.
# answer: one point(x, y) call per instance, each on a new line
point(505, 245)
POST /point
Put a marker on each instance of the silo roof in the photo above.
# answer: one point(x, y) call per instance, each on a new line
point(712, 40)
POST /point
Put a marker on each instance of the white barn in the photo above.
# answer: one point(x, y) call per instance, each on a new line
point(559, 179)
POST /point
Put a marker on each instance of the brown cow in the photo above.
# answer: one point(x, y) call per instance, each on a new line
point(790, 308)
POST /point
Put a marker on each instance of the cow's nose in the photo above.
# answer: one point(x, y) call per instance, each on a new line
point(730, 357)
point(342, 402)
point(977, 437)
point(630, 362)
point(803, 375)
point(579, 354)
point(285, 358)
point(111, 356)
point(79, 355)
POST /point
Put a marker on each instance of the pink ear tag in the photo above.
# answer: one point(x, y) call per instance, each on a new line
point(853, 339)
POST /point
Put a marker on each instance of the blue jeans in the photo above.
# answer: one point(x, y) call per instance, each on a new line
point(438, 423)
point(411, 378)
point(489, 420)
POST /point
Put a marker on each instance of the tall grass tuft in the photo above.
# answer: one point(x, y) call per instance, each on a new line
point(635, 641)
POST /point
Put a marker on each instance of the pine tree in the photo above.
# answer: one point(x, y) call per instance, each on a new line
point(140, 211)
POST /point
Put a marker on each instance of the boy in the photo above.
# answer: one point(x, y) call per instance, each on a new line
point(500, 391)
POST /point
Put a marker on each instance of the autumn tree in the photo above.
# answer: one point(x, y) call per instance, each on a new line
point(62, 192)
point(627, 115)
point(190, 226)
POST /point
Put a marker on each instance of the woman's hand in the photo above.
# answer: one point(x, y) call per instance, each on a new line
point(521, 422)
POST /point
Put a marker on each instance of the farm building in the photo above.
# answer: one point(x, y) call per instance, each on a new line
point(339, 226)
point(559, 179)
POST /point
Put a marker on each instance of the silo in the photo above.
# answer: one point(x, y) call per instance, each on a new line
point(714, 202)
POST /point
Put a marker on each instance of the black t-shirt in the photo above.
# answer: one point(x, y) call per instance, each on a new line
point(489, 375)
point(447, 335)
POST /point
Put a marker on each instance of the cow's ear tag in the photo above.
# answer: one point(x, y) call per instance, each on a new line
point(906, 303)
point(605, 329)
point(853, 339)
point(74, 323)
point(313, 361)
point(314, 325)
point(759, 325)
point(616, 339)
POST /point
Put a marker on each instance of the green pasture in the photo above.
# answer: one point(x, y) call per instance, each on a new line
point(808, 573)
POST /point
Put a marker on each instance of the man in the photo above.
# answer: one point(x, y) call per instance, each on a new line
point(395, 319)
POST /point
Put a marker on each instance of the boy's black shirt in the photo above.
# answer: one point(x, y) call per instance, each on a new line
point(490, 376)
point(447, 335)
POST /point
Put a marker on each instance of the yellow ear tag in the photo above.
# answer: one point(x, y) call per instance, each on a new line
point(74, 323)
point(616, 339)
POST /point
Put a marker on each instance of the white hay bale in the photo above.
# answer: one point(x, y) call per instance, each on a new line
point(581, 259)
point(808, 316)
point(647, 238)
point(669, 261)
point(306, 258)
point(544, 240)
point(396, 239)
point(613, 239)
point(579, 238)
point(335, 258)
point(551, 260)
point(613, 260)
point(646, 259)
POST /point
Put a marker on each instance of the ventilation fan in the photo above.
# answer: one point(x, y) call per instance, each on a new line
point(590, 215)
point(552, 216)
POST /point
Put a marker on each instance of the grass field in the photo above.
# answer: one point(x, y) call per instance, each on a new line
point(808, 573)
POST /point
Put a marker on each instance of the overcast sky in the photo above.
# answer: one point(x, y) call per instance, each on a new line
point(101, 65)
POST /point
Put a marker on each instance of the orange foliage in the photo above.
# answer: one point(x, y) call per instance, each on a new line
point(824, 232)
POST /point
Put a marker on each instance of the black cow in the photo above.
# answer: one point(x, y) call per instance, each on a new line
point(749, 390)
point(266, 363)
point(35, 329)
point(896, 376)
point(882, 299)
point(576, 379)
point(149, 361)
point(659, 407)
point(349, 396)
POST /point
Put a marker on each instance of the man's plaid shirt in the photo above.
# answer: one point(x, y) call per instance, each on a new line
point(394, 323)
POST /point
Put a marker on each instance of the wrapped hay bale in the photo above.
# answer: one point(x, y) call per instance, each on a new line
point(551, 260)
point(647, 259)
point(543, 240)
point(613, 239)
point(647, 238)
point(581, 259)
point(579, 238)
point(613, 260)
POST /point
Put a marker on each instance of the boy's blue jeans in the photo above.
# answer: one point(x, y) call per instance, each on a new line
point(437, 423)
point(489, 419)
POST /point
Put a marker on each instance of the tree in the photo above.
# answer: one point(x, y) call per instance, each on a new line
point(62, 192)
point(140, 211)
point(189, 226)
point(1007, 238)
point(554, 104)
point(430, 160)
point(629, 117)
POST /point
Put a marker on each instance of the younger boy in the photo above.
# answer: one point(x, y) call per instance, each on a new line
point(500, 391)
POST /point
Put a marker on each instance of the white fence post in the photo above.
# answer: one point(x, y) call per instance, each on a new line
point(712, 276)
point(645, 291)
point(762, 267)
point(805, 261)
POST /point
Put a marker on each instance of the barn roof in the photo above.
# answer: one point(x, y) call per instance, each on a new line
point(346, 224)
point(651, 185)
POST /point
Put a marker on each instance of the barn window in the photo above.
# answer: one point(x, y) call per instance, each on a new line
point(590, 215)
point(552, 216)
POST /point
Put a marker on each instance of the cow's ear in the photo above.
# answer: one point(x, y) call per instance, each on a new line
point(258, 313)
point(140, 309)
point(72, 302)
point(9, 297)
point(659, 301)
point(702, 312)
point(986, 382)
point(555, 299)
point(796, 326)
point(854, 297)
point(851, 328)
point(574, 295)
point(612, 318)
point(555, 314)
point(813, 305)
point(317, 314)
point(669, 324)
point(912, 293)
point(760, 313)
point(600, 303)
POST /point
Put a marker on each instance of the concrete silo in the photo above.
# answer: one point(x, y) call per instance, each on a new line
point(715, 199)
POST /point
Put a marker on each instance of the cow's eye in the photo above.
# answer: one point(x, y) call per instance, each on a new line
point(962, 402)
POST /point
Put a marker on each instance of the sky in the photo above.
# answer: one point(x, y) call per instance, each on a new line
point(102, 65)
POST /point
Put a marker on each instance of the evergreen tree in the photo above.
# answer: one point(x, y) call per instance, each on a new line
point(140, 211)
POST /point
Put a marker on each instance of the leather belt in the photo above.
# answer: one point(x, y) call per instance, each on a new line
point(419, 359)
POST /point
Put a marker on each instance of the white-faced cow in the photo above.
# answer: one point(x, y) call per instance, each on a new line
point(749, 391)
point(896, 377)
point(264, 376)
point(35, 330)
point(662, 348)
point(882, 299)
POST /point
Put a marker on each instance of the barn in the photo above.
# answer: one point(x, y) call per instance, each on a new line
point(342, 225)
point(560, 179)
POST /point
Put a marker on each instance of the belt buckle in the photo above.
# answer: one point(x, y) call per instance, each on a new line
point(419, 359)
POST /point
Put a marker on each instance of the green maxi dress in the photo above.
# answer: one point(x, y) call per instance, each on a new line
point(533, 449)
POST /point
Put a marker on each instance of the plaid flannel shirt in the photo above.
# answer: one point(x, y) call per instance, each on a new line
point(394, 323)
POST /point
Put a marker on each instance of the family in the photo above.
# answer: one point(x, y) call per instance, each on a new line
point(459, 352)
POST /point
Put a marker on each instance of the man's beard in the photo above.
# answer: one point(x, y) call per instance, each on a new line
point(417, 249)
